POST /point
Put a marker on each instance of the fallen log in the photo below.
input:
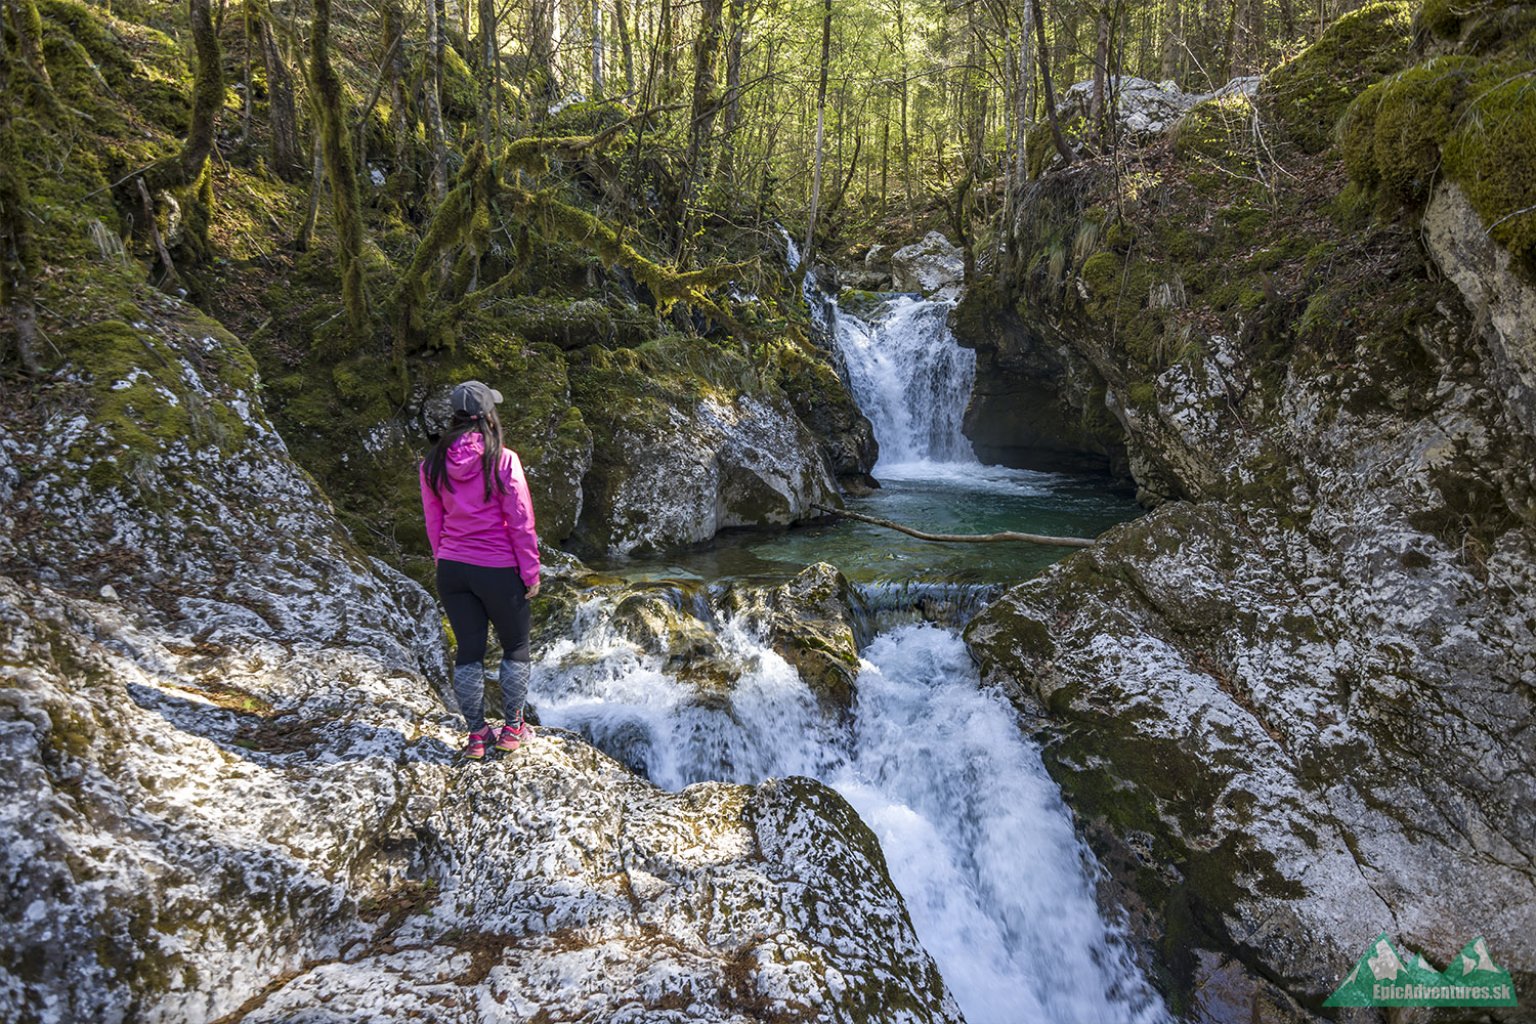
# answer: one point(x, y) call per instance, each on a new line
point(961, 538)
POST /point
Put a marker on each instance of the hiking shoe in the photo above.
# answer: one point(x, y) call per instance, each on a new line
point(511, 738)
point(474, 748)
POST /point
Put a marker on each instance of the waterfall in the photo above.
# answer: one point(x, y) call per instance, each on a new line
point(912, 379)
point(974, 831)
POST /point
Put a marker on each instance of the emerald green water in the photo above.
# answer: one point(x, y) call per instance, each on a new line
point(934, 497)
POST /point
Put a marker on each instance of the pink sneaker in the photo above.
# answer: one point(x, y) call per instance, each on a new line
point(512, 738)
point(474, 748)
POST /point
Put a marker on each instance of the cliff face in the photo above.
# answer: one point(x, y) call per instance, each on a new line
point(231, 791)
point(1289, 705)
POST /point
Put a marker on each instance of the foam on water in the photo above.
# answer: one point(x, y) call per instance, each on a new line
point(973, 829)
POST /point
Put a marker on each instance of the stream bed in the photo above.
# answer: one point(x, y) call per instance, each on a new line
point(976, 837)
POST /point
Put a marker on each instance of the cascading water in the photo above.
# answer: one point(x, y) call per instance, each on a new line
point(974, 832)
point(912, 379)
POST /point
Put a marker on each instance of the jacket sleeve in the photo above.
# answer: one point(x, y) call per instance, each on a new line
point(517, 513)
point(432, 508)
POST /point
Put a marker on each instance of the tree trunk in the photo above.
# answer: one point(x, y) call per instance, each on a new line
point(1100, 67)
point(906, 142)
point(1171, 38)
point(305, 237)
point(668, 51)
point(248, 108)
point(1045, 84)
point(207, 100)
point(737, 33)
point(597, 49)
point(821, 120)
point(705, 48)
point(490, 73)
point(432, 88)
point(541, 55)
point(1026, 79)
point(336, 148)
point(626, 45)
point(282, 115)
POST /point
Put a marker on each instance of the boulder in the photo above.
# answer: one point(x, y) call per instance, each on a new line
point(681, 475)
point(810, 621)
point(933, 266)
point(1145, 109)
point(1267, 750)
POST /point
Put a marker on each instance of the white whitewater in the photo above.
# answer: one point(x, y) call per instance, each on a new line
point(912, 379)
point(973, 829)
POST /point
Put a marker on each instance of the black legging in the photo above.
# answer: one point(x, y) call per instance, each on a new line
point(474, 595)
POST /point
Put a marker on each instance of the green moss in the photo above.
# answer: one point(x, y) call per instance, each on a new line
point(1217, 130)
point(460, 95)
point(1492, 153)
point(142, 399)
point(1391, 135)
point(1308, 94)
point(1469, 120)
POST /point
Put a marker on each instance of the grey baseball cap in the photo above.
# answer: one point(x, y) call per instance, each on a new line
point(474, 398)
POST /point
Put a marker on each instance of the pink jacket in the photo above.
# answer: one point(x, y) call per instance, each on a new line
point(463, 527)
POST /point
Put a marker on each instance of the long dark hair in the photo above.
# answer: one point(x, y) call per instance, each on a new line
point(462, 423)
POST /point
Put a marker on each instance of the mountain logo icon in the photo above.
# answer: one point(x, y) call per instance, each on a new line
point(1388, 976)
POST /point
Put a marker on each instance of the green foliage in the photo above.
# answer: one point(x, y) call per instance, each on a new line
point(1309, 93)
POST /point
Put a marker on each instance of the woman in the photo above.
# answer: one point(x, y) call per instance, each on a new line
point(480, 525)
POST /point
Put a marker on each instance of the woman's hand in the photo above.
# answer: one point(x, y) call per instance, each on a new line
point(533, 591)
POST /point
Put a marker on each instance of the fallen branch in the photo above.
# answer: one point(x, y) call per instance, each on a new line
point(960, 538)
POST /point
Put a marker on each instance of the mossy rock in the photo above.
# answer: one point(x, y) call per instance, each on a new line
point(144, 399)
point(1216, 130)
point(1491, 154)
point(809, 621)
point(1454, 19)
point(1390, 137)
point(1308, 94)
point(1470, 120)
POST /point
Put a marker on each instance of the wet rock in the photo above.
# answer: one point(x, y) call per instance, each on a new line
point(1246, 720)
point(810, 622)
point(1034, 405)
point(823, 403)
point(935, 267)
point(663, 619)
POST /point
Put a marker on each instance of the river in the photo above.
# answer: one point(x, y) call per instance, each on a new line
point(975, 834)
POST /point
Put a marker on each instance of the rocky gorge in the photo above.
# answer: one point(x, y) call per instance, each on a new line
point(1289, 705)
point(1190, 772)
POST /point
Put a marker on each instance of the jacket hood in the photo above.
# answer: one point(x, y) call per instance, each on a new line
point(464, 457)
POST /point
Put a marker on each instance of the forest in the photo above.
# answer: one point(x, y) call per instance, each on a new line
point(687, 126)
